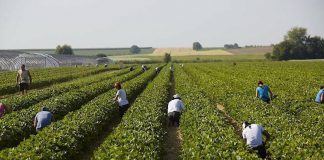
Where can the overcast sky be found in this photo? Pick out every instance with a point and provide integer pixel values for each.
(156, 23)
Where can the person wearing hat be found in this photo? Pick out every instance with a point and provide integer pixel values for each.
(175, 107)
(43, 119)
(320, 95)
(263, 91)
(2, 109)
(252, 134)
(157, 70)
(121, 98)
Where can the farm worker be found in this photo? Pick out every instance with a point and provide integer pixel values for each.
(23, 79)
(157, 70)
(43, 119)
(262, 92)
(320, 95)
(2, 109)
(171, 68)
(175, 107)
(252, 133)
(131, 68)
(144, 68)
(121, 98)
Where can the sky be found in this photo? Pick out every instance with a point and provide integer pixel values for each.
(26, 24)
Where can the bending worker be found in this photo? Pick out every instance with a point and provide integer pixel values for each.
(263, 91)
(175, 107)
(320, 95)
(23, 79)
(2, 109)
(252, 133)
(121, 98)
(43, 119)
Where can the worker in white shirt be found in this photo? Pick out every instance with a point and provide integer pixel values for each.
(175, 107)
(252, 133)
(121, 98)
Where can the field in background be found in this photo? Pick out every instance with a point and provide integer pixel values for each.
(207, 54)
(251, 50)
(188, 52)
(178, 54)
(94, 51)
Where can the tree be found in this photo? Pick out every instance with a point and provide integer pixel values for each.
(58, 49)
(135, 49)
(267, 55)
(298, 45)
(296, 35)
(196, 46)
(232, 46)
(167, 57)
(65, 49)
(236, 45)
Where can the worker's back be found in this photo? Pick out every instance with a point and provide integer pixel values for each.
(253, 134)
(263, 91)
(175, 105)
(44, 118)
(318, 96)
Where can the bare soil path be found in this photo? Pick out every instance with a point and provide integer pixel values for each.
(173, 138)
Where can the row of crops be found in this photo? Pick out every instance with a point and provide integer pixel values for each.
(83, 110)
(293, 119)
(48, 76)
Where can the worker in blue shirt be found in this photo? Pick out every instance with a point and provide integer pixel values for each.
(320, 95)
(263, 91)
(43, 119)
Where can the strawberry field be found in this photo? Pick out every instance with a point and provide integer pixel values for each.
(87, 123)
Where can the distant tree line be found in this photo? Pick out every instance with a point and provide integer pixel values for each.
(231, 46)
(65, 49)
(257, 46)
(297, 44)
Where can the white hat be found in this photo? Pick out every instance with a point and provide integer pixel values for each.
(176, 96)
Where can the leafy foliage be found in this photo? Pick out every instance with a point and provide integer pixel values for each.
(65, 49)
(46, 77)
(205, 133)
(298, 45)
(135, 49)
(17, 102)
(140, 134)
(196, 46)
(66, 138)
(18, 125)
(293, 119)
(167, 57)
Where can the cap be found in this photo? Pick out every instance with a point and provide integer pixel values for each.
(44, 108)
(176, 96)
